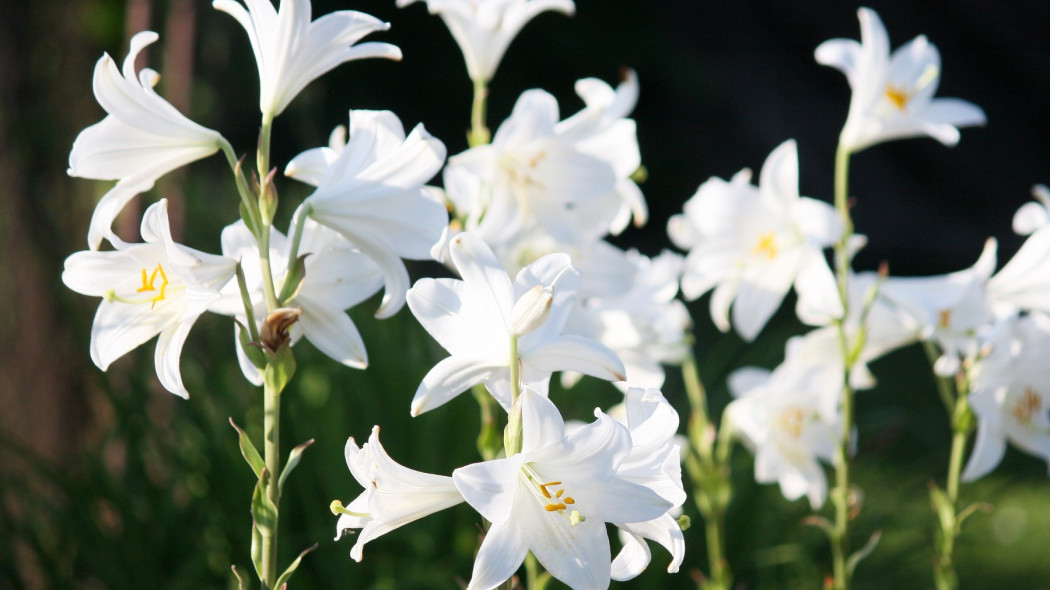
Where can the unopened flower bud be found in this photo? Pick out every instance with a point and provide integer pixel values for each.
(531, 310)
(275, 327)
(268, 197)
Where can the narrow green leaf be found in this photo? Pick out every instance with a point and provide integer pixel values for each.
(264, 513)
(253, 350)
(248, 450)
(240, 581)
(293, 281)
(257, 551)
(971, 509)
(280, 369)
(293, 461)
(942, 505)
(851, 563)
(281, 581)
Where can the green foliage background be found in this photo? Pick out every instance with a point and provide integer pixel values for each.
(134, 488)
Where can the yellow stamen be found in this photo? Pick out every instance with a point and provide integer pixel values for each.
(1029, 404)
(899, 98)
(766, 246)
(792, 421)
(944, 319)
(147, 284)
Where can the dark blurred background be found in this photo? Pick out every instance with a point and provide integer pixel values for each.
(107, 481)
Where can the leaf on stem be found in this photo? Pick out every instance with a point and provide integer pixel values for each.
(240, 581)
(279, 370)
(293, 461)
(293, 281)
(264, 513)
(851, 563)
(283, 580)
(248, 450)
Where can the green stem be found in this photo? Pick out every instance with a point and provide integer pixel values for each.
(840, 495)
(297, 236)
(249, 310)
(479, 134)
(262, 157)
(264, 265)
(512, 437)
(272, 458)
(489, 444)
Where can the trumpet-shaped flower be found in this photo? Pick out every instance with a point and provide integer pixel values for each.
(141, 138)
(371, 190)
(337, 277)
(537, 170)
(1011, 394)
(477, 318)
(154, 288)
(393, 495)
(483, 29)
(893, 95)
(752, 243)
(789, 418)
(554, 498)
(291, 51)
(654, 462)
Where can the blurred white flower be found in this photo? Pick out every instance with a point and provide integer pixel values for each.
(484, 28)
(893, 95)
(141, 138)
(750, 244)
(1010, 394)
(291, 51)
(154, 288)
(337, 277)
(555, 497)
(372, 192)
(474, 319)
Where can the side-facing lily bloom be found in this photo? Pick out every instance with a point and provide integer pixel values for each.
(291, 51)
(477, 318)
(372, 192)
(893, 95)
(1011, 394)
(157, 287)
(393, 495)
(141, 138)
(484, 28)
(750, 244)
(337, 278)
(554, 498)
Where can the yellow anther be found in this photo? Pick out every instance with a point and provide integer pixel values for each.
(1030, 403)
(899, 98)
(766, 246)
(148, 284)
(554, 507)
(569, 500)
(560, 492)
(792, 421)
(944, 319)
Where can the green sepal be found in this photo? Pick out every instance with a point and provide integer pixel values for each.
(860, 554)
(293, 461)
(281, 581)
(264, 513)
(293, 281)
(251, 349)
(279, 370)
(248, 450)
(240, 581)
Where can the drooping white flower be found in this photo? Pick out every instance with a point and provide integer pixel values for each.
(893, 95)
(337, 277)
(141, 138)
(750, 244)
(1010, 394)
(154, 288)
(483, 29)
(393, 495)
(372, 192)
(536, 171)
(789, 418)
(654, 462)
(475, 318)
(554, 498)
(291, 51)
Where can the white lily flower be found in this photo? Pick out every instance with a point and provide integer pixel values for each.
(154, 288)
(291, 51)
(393, 495)
(535, 171)
(654, 462)
(750, 244)
(1023, 283)
(893, 95)
(474, 320)
(337, 278)
(554, 498)
(1010, 394)
(483, 29)
(372, 192)
(789, 418)
(141, 138)
(1033, 216)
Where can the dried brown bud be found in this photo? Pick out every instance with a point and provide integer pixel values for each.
(276, 325)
